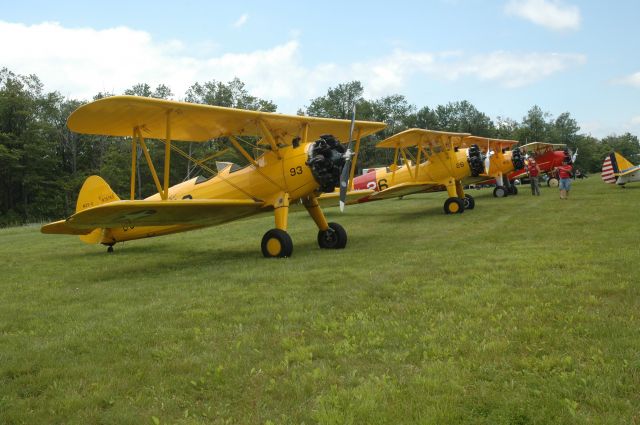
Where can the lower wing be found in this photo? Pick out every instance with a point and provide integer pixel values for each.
(407, 189)
(194, 212)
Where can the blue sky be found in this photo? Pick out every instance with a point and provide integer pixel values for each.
(504, 56)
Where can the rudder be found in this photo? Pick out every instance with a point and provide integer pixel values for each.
(609, 169)
(95, 191)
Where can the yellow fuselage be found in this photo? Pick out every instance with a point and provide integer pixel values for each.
(265, 181)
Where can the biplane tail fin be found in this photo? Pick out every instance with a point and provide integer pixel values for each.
(95, 191)
(609, 169)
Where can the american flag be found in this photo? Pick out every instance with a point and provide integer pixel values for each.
(607, 171)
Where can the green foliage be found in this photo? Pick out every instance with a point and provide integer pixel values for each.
(507, 314)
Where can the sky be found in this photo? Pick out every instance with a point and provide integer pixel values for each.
(504, 56)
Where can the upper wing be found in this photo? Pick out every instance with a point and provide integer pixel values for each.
(415, 136)
(487, 143)
(403, 189)
(159, 213)
(536, 147)
(119, 115)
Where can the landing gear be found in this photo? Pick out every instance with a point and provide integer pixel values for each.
(110, 249)
(553, 182)
(276, 243)
(454, 205)
(469, 202)
(335, 237)
(513, 190)
(500, 192)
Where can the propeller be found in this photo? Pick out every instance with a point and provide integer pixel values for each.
(574, 157)
(346, 168)
(487, 159)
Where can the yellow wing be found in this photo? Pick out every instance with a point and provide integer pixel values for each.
(158, 213)
(415, 136)
(119, 115)
(327, 200)
(404, 189)
(485, 143)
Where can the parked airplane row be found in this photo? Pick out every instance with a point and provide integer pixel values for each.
(302, 159)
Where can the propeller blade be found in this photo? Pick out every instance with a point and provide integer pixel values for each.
(574, 157)
(487, 160)
(346, 169)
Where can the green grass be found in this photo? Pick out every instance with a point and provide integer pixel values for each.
(523, 311)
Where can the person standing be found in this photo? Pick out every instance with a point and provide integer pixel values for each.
(564, 172)
(534, 174)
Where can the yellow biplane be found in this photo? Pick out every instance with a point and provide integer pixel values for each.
(501, 158)
(442, 160)
(303, 157)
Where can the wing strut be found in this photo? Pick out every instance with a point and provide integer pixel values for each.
(167, 157)
(138, 135)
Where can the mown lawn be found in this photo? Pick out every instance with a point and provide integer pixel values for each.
(523, 311)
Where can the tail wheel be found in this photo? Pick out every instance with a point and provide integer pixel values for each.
(454, 206)
(513, 190)
(277, 243)
(553, 182)
(335, 237)
(500, 192)
(469, 202)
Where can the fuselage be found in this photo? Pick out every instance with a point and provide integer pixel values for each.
(264, 181)
(439, 169)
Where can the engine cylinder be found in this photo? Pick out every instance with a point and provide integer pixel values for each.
(475, 160)
(516, 159)
(326, 159)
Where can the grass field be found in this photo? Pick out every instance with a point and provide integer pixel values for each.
(523, 311)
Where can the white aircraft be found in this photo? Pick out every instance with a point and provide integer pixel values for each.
(617, 169)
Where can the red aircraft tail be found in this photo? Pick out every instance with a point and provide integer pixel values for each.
(609, 169)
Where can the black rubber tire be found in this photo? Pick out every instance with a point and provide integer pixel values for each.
(513, 190)
(110, 249)
(335, 237)
(454, 206)
(553, 182)
(500, 192)
(469, 202)
(276, 243)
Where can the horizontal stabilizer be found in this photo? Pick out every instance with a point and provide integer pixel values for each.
(163, 213)
(406, 189)
(60, 227)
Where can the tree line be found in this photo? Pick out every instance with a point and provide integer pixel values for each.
(43, 164)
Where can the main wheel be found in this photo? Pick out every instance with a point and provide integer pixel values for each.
(454, 206)
(276, 243)
(469, 202)
(500, 192)
(110, 249)
(513, 190)
(553, 182)
(335, 237)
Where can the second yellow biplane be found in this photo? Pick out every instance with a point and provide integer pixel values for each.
(303, 157)
(442, 160)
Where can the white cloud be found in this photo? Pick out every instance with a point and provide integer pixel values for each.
(630, 80)
(81, 62)
(241, 21)
(552, 14)
(510, 70)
